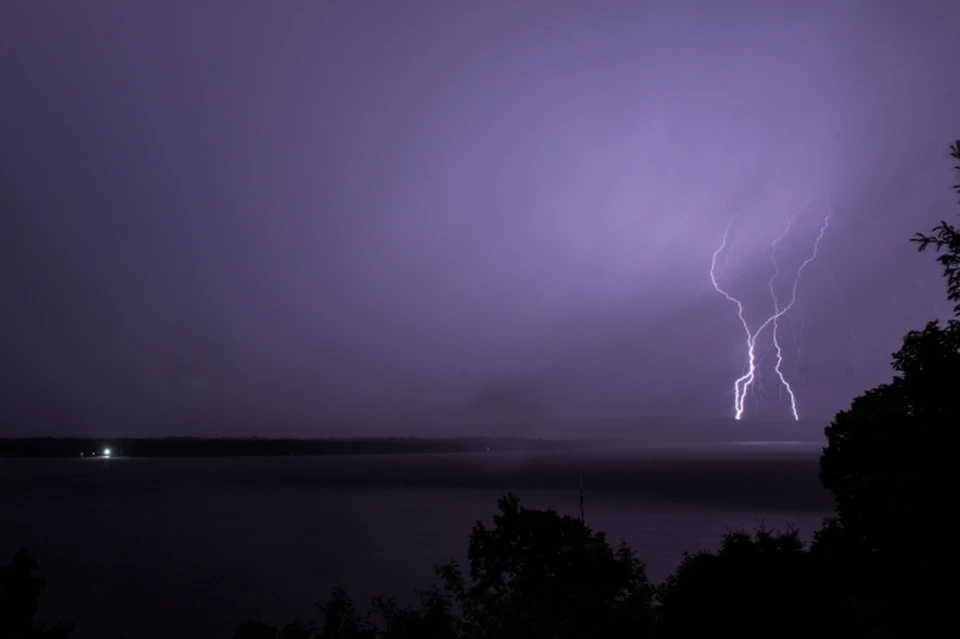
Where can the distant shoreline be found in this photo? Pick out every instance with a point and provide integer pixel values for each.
(268, 447)
(77, 447)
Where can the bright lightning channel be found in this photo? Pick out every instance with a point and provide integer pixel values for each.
(741, 385)
(776, 315)
(751, 357)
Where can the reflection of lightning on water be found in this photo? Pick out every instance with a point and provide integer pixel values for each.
(743, 383)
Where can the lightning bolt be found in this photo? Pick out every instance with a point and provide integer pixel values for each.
(751, 357)
(776, 316)
(775, 341)
(742, 384)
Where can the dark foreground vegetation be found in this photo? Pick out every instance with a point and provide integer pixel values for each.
(263, 447)
(884, 566)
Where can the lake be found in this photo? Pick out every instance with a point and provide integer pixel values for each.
(160, 548)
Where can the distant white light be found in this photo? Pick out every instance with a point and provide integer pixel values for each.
(106, 452)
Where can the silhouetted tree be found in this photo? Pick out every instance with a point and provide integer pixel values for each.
(534, 574)
(340, 618)
(21, 587)
(253, 629)
(434, 619)
(297, 629)
(889, 463)
(340, 621)
(759, 585)
(537, 573)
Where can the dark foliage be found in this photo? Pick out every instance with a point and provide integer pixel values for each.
(945, 239)
(759, 585)
(537, 573)
(889, 463)
(533, 574)
(21, 587)
(254, 629)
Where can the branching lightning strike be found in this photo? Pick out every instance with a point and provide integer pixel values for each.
(742, 384)
(776, 317)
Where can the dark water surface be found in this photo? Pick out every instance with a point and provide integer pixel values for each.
(161, 548)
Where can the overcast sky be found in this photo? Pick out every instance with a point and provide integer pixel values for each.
(236, 217)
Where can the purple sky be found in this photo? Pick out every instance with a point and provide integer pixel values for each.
(280, 217)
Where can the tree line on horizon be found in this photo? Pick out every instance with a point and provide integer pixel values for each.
(883, 566)
(173, 446)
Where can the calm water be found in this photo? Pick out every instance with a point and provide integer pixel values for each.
(188, 548)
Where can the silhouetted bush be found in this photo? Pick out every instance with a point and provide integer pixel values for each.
(21, 587)
(537, 573)
(760, 585)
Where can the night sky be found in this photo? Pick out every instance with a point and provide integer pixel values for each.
(327, 217)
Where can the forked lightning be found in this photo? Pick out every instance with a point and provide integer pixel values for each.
(742, 384)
